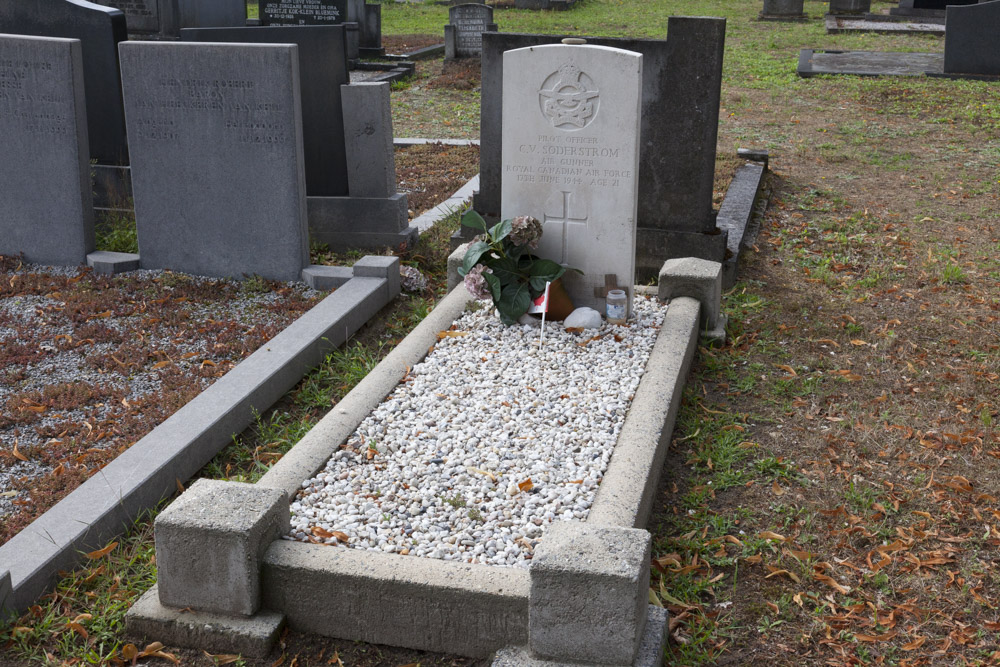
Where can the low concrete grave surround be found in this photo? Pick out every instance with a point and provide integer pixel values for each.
(681, 87)
(105, 262)
(738, 209)
(473, 609)
(554, 5)
(321, 55)
(971, 39)
(150, 469)
(46, 210)
(881, 23)
(927, 8)
(783, 10)
(463, 36)
(210, 542)
(695, 278)
(566, 620)
(571, 159)
(867, 63)
(373, 215)
(99, 30)
(217, 157)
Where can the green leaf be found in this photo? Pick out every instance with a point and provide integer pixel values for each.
(494, 284)
(544, 271)
(514, 302)
(500, 230)
(472, 219)
(472, 256)
(506, 270)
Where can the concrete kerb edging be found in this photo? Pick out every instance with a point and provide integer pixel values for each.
(441, 605)
(137, 480)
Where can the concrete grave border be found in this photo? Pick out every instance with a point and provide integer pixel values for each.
(150, 470)
(445, 605)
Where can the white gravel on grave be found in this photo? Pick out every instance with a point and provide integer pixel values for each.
(486, 442)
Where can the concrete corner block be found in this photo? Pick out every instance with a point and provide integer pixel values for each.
(252, 636)
(699, 279)
(454, 263)
(210, 543)
(325, 278)
(380, 266)
(107, 263)
(589, 593)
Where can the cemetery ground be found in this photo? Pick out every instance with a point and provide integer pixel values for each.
(831, 495)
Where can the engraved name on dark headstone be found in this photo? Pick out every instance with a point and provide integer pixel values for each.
(140, 15)
(469, 22)
(302, 12)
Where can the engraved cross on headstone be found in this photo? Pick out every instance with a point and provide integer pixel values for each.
(565, 220)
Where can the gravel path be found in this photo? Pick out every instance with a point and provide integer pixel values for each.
(486, 441)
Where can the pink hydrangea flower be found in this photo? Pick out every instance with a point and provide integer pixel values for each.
(525, 231)
(476, 284)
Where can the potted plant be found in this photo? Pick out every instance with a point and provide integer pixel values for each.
(499, 265)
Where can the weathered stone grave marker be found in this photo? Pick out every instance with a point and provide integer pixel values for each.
(146, 16)
(217, 158)
(571, 158)
(99, 30)
(321, 54)
(463, 36)
(782, 10)
(46, 210)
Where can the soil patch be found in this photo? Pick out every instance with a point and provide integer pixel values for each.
(399, 44)
(430, 173)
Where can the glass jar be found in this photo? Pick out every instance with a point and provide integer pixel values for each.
(616, 306)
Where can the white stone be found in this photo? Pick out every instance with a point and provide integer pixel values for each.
(571, 157)
(583, 318)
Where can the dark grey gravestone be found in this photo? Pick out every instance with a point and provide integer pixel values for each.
(46, 210)
(926, 8)
(145, 16)
(211, 13)
(371, 30)
(681, 85)
(463, 36)
(850, 6)
(324, 70)
(972, 39)
(867, 63)
(303, 12)
(782, 10)
(99, 30)
(217, 169)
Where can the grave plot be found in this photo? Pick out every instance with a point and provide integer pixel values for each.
(581, 482)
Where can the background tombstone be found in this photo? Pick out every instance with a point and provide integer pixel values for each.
(303, 12)
(926, 8)
(681, 87)
(782, 10)
(971, 39)
(211, 13)
(571, 158)
(374, 215)
(463, 36)
(47, 212)
(217, 158)
(840, 7)
(99, 30)
(148, 17)
(324, 68)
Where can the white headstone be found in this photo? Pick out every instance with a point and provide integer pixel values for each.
(571, 158)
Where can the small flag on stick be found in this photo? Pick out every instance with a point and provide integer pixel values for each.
(541, 305)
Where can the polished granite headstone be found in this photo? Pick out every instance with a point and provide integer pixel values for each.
(782, 10)
(303, 12)
(99, 30)
(324, 70)
(972, 39)
(46, 210)
(217, 162)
